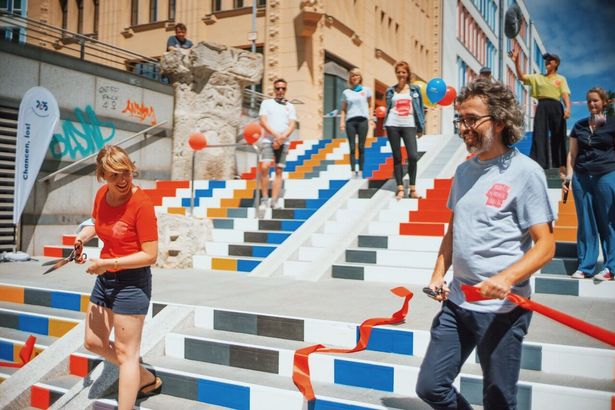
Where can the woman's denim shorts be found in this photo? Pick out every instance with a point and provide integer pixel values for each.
(125, 292)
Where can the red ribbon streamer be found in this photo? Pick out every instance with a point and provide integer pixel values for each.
(25, 354)
(472, 294)
(301, 366)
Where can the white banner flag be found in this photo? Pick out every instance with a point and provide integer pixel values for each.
(38, 115)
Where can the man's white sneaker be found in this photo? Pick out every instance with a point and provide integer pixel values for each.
(604, 274)
(264, 204)
(579, 275)
(276, 205)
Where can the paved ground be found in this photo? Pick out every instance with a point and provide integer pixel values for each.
(337, 300)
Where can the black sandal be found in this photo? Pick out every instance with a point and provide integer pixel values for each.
(150, 389)
(414, 195)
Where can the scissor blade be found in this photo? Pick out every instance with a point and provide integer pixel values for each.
(56, 266)
(51, 262)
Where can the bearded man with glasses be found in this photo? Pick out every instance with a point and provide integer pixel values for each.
(499, 234)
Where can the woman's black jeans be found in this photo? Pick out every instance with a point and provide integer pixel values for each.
(356, 126)
(408, 134)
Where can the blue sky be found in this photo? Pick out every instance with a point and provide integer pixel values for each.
(582, 33)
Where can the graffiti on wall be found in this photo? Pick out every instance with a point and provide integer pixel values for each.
(109, 96)
(140, 111)
(82, 137)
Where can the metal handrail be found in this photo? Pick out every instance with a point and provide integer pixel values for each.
(87, 48)
(26, 20)
(62, 170)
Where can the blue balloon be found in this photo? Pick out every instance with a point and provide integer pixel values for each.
(436, 89)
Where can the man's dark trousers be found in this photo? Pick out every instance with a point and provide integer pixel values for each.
(455, 332)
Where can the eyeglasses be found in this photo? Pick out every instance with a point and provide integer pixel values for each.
(280, 88)
(470, 121)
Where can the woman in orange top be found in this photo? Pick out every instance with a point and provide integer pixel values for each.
(124, 219)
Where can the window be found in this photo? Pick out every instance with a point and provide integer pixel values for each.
(238, 4)
(216, 5)
(134, 12)
(261, 3)
(13, 33)
(336, 77)
(172, 9)
(80, 16)
(153, 10)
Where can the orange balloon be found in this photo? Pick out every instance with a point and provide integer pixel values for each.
(381, 111)
(252, 132)
(197, 140)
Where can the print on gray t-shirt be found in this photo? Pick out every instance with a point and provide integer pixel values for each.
(494, 204)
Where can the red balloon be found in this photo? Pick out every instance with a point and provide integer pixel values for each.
(252, 132)
(381, 111)
(197, 140)
(449, 97)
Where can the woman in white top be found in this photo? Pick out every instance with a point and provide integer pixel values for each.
(354, 116)
(404, 118)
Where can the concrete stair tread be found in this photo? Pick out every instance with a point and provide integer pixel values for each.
(160, 402)
(392, 359)
(390, 250)
(43, 310)
(255, 258)
(65, 382)
(361, 265)
(243, 243)
(251, 377)
(284, 344)
(6, 372)
(21, 336)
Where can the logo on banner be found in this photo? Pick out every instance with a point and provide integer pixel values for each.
(41, 108)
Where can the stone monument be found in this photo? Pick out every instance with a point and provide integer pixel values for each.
(209, 80)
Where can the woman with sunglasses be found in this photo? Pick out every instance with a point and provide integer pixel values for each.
(591, 168)
(124, 219)
(405, 118)
(355, 112)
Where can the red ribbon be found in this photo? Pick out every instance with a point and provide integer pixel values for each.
(472, 294)
(301, 366)
(25, 354)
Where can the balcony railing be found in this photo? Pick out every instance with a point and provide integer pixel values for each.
(20, 29)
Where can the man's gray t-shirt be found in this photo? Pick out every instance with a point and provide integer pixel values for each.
(495, 202)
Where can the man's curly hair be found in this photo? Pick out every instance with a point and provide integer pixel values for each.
(502, 106)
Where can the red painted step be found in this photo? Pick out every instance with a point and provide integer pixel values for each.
(430, 216)
(421, 229)
(442, 183)
(432, 203)
(172, 184)
(68, 240)
(54, 251)
(437, 193)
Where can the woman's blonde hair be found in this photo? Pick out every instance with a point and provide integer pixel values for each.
(353, 72)
(113, 159)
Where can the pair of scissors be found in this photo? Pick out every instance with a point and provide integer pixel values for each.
(76, 255)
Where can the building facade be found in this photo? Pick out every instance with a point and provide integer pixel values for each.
(478, 41)
(310, 43)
